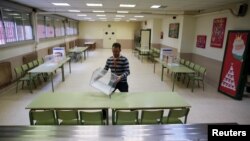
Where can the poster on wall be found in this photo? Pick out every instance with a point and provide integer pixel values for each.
(232, 73)
(218, 32)
(201, 41)
(173, 30)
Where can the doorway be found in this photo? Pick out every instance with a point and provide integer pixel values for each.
(109, 37)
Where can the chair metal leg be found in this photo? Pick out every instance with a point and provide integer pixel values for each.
(188, 83)
(203, 85)
(16, 86)
(193, 86)
(23, 84)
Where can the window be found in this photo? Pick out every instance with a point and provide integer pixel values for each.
(9, 24)
(49, 27)
(19, 28)
(71, 27)
(59, 28)
(2, 38)
(40, 27)
(27, 26)
(15, 26)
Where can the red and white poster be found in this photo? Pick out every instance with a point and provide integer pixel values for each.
(233, 62)
(218, 32)
(201, 41)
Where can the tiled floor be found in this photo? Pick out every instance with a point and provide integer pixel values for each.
(208, 106)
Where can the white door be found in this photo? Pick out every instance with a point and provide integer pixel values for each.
(109, 37)
(145, 39)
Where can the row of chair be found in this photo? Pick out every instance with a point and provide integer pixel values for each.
(22, 75)
(175, 116)
(121, 117)
(198, 76)
(154, 53)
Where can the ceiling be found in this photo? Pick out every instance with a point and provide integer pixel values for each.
(141, 9)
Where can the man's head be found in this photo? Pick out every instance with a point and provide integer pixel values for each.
(116, 49)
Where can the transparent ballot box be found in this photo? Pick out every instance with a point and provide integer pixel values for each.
(104, 81)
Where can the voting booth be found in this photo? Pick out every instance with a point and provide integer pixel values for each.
(59, 52)
(166, 53)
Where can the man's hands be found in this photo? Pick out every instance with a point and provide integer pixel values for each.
(119, 78)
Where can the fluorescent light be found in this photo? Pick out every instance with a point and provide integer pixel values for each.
(13, 14)
(103, 18)
(61, 4)
(81, 15)
(139, 16)
(119, 15)
(117, 18)
(132, 19)
(127, 5)
(100, 15)
(94, 4)
(74, 10)
(98, 11)
(87, 18)
(91, 20)
(122, 11)
(155, 6)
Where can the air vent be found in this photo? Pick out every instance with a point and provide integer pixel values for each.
(163, 6)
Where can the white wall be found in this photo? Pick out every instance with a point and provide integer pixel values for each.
(12, 51)
(155, 26)
(187, 36)
(156, 31)
(17, 49)
(94, 30)
(204, 26)
(172, 42)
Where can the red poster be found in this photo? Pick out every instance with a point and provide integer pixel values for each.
(218, 31)
(201, 41)
(233, 62)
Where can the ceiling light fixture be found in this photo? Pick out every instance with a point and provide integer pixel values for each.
(81, 15)
(155, 6)
(122, 11)
(100, 15)
(127, 5)
(61, 4)
(132, 19)
(94, 4)
(138, 16)
(74, 10)
(98, 11)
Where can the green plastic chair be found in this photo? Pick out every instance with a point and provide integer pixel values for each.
(46, 117)
(176, 116)
(182, 61)
(23, 77)
(40, 61)
(151, 117)
(67, 117)
(35, 63)
(191, 65)
(91, 118)
(126, 117)
(199, 76)
(187, 63)
(31, 65)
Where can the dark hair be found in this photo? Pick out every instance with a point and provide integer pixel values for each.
(116, 45)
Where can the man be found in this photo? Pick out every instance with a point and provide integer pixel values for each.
(119, 65)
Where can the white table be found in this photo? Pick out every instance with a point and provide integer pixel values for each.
(50, 67)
